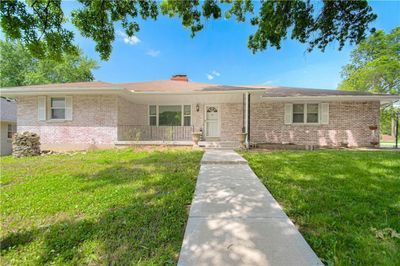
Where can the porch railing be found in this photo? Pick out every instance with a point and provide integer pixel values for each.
(156, 133)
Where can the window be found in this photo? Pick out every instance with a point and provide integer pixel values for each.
(57, 108)
(11, 130)
(170, 115)
(306, 113)
(298, 113)
(187, 112)
(312, 113)
(153, 115)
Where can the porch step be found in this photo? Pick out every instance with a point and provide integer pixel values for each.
(219, 144)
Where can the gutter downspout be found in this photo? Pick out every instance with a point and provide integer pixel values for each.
(247, 119)
(244, 113)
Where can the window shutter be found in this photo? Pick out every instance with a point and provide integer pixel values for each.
(42, 108)
(68, 108)
(288, 113)
(325, 113)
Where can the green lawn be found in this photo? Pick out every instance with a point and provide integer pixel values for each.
(346, 203)
(114, 207)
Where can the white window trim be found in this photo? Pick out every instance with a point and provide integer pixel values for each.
(305, 115)
(51, 119)
(158, 112)
(183, 114)
(150, 116)
(13, 130)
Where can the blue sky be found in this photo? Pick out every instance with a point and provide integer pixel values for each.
(219, 54)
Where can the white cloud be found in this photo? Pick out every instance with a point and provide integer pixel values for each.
(153, 53)
(213, 74)
(128, 40)
(216, 73)
(268, 82)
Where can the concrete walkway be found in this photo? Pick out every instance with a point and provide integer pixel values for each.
(234, 220)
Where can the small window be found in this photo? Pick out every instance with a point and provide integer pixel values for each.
(11, 130)
(306, 113)
(312, 113)
(298, 113)
(57, 107)
(187, 112)
(153, 115)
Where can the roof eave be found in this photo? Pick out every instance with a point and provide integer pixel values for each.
(193, 92)
(382, 98)
(14, 92)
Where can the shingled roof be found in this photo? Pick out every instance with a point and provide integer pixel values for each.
(175, 86)
(296, 92)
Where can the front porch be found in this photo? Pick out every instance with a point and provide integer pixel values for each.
(171, 120)
(167, 135)
(155, 133)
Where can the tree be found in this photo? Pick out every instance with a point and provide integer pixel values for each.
(375, 64)
(19, 67)
(39, 24)
(375, 67)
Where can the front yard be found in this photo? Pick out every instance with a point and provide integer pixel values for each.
(114, 207)
(345, 203)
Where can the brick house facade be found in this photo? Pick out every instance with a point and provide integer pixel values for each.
(102, 114)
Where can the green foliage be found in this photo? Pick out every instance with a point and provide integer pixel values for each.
(346, 203)
(19, 67)
(117, 207)
(40, 24)
(387, 114)
(375, 64)
(375, 67)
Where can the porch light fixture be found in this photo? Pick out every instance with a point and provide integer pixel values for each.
(197, 108)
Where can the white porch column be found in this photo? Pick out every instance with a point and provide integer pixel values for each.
(246, 118)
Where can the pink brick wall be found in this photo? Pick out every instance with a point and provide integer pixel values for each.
(94, 121)
(348, 123)
(130, 113)
(198, 117)
(231, 120)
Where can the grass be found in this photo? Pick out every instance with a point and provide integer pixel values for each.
(113, 207)
(345, 203)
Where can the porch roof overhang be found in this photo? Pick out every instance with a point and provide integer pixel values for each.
(168, 90)
(22, 91)
(144, 97)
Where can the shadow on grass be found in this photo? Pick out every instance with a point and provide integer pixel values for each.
(336, 198)
(147, 228)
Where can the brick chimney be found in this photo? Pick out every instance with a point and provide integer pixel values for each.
(180, 78)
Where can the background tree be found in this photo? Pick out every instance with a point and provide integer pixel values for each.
(39, 24)
(375, 64)
(19, 67)
(375, 67)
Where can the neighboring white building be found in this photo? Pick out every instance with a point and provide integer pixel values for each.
(8, 124)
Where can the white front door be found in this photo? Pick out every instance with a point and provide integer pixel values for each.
(212, 120)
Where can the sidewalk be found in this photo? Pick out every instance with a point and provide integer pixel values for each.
(234, 220)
